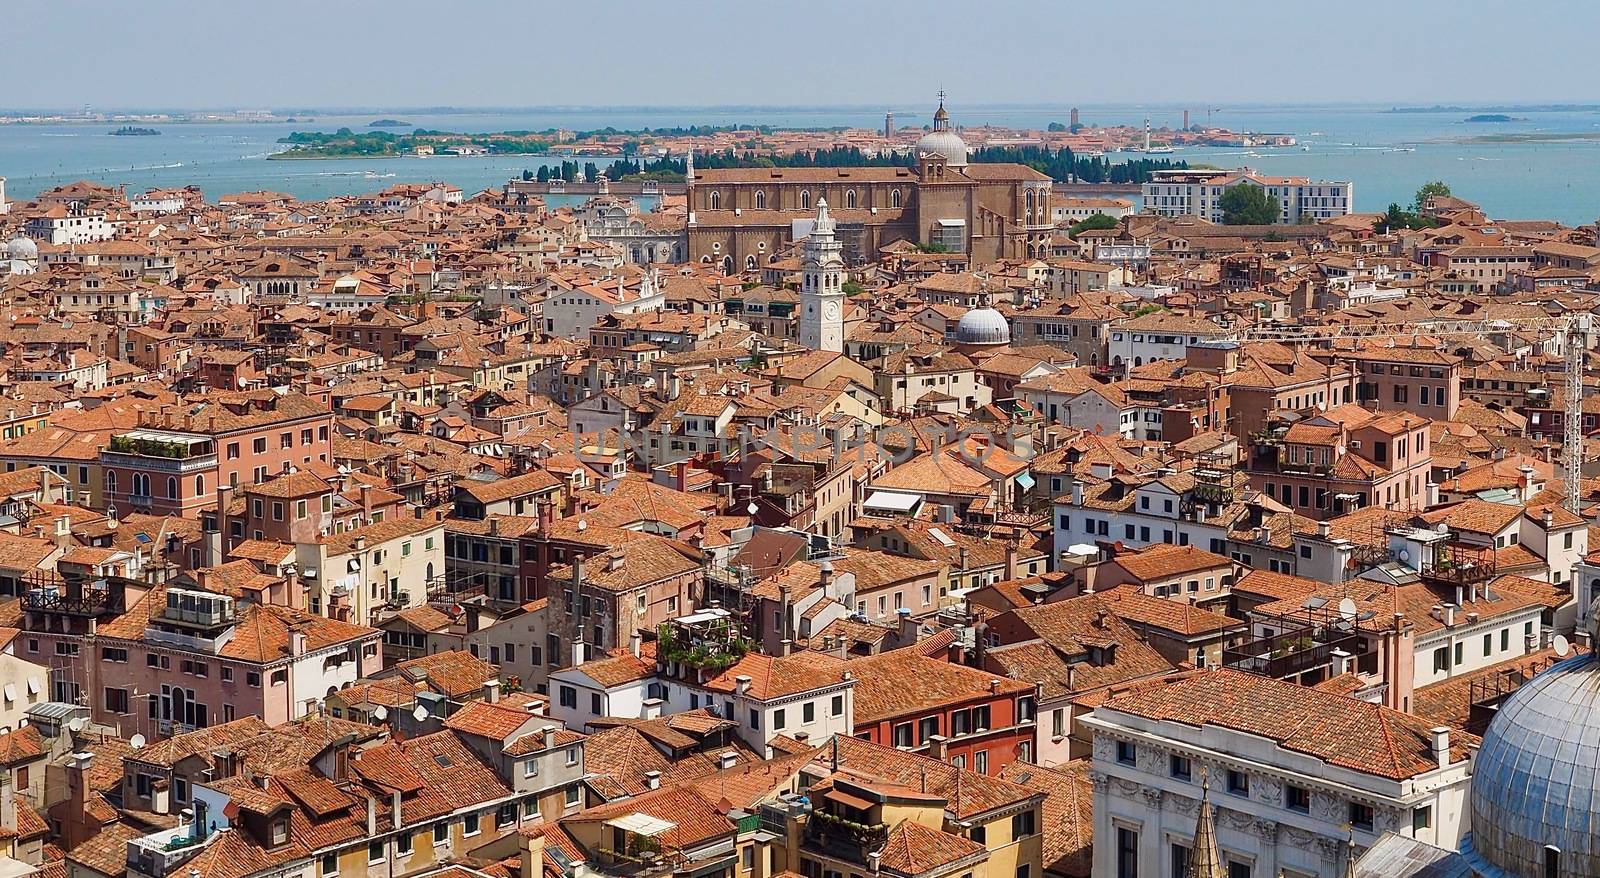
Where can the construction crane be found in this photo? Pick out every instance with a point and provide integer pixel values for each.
(1572, 330)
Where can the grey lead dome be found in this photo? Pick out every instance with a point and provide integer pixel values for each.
(22, 247)
(983, 326)
(1536, 779)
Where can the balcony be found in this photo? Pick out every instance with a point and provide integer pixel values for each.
(161, 451)
(843, 838)
(75, 599)
(163, 853)
(185, 640)
(1293, 652)
(1459, 565)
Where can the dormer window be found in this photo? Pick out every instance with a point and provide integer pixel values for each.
(278, 831)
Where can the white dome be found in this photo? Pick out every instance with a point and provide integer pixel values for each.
(983, 326)
(946, 143)
(22, 248)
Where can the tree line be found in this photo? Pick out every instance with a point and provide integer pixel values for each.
(1059, 164)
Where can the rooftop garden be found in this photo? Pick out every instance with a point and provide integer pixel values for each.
(146, 447)
(714, 646)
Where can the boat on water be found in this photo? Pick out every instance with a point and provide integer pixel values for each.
(133, 131)
(1091, 154)
(1159, 150)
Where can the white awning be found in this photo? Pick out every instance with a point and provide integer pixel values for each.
(11, 692)
(33, 686)
(710, 614)
(642, 824)
(893, 501)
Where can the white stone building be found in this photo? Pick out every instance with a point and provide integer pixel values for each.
(1199, 193)
(1294, 774)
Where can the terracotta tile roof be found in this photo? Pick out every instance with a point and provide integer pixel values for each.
(454, 673)
(1341, 731)
(534, 482)
(777, 677)
(1449, 702)
(496, 722)
(968, 793)
(695, 819)
(425, 618)
(1163, 561)
(904, 682)
(1177, 616)
(618, 759)
(21, 745)
(1478, 516)
(619, 668)
(1068, 821)
(1062, 633)
(915, 849)
(1276, 586)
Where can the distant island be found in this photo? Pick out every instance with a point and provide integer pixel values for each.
(390, 123)
(131, 131)
(345, 143)
(1515, 108)
(1494, 117)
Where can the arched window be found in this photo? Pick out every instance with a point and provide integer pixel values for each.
(894, 198)
(111, 483)
(761, 200)
(430, 572)
(172, 487)
(749, 262)
(714, 200)
(850, 198)
(199, 486)
(805, 200)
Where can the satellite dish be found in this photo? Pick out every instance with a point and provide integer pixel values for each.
(1403, 554)
(136, 741)
(76, 724)
(381, 714)
(583, 524)
(752, 508)
(1560, 645)
(420, 714)
(1347, 609)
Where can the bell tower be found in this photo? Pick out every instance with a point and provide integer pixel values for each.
(822, 286)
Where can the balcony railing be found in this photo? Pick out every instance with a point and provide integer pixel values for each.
(159, 464)
(843, 838)
(1293, 652)
(83, 601)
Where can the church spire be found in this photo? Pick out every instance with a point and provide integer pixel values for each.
(824, 222)
(941, 117)
(1204, 861)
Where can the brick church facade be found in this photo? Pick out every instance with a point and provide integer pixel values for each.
(741, 218)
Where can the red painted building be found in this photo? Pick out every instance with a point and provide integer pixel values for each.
(964, 716)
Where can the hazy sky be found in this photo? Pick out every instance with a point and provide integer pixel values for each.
(408, 53)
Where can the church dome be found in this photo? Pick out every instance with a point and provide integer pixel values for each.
(983, 326)
(1536, 778)
(22, 248)
(943, 141)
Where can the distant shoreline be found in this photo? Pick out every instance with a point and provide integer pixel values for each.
(1510, 108)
